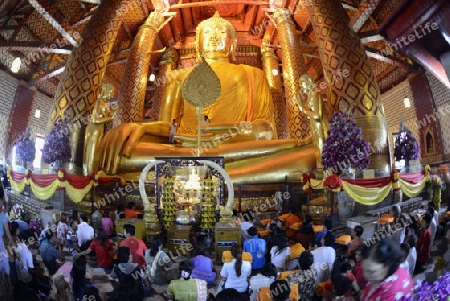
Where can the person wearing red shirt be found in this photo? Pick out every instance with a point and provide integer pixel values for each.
(136, 246)
(102, 248)
(130, 212)
(423, 243)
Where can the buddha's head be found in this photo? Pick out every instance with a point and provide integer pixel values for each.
(215, 39)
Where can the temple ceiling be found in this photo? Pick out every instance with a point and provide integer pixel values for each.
(44, 32)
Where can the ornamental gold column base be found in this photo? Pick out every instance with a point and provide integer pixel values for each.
(152, 225)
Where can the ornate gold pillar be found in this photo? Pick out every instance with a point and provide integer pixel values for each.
(270, 66)
(352, 85)
(167, 63)
(135, 77)
(81, 80)
(293, 68)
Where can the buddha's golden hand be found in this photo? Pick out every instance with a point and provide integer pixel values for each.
(121, 140)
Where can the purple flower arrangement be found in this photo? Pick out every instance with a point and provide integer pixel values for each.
(35, 225)
(439, 290)
(57, 144)
(406, 145)
(25, 148)
(345, 145)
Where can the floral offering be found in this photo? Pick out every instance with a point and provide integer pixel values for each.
(406, 145)
(57, 143)
(25, 148)
(345, 145)
(35, 225)
(437, 291)
(17, 212)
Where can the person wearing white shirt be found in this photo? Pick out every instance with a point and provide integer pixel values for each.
(433, 212)
(324, 257)
(279, 253)
(246, 224)
(85, 233)
(265, 278)
(236, 271)
(411, 259)
(399, 234)
(433, 225)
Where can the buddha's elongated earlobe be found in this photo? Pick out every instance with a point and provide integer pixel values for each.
(233, 49)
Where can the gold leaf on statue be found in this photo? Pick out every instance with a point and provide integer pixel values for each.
(202, 86)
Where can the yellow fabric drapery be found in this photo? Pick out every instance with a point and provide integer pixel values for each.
(366, 196)
(46, 192)
(372, 196)
(412, 190)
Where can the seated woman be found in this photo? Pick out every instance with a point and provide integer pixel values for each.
(305, 278)
(265, 277)
(229, 294)
(129, 276)
(387, 281)
(280, 291)
(306, 234)
(341, 267)
(79, 281)
(159, 265)
(203, 267)
(342, 285)
(186, 289)
(279, 254)
(236, 271)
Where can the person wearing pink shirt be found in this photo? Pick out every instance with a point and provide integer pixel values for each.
(387, 281)
(107, 224)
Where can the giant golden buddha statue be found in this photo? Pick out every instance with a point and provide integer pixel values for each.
(241, 128)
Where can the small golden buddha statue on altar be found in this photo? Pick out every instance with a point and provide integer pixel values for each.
(241, 128)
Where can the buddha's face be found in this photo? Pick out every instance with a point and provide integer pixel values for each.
(216, 39)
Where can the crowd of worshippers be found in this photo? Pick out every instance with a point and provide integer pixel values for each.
(279, 265)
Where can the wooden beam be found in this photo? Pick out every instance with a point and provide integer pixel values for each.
(52, 73)
(366, 10)
(385, 72)
(376, 54)
(187, 18)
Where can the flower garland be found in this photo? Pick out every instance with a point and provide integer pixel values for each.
(57, 143)
(25, 148)
(406, 145)
(437, 187)
(17, 212)
(345, 145)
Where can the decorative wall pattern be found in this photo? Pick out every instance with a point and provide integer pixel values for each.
(40, 125)
(441, 96)
(427, 119)
(7, 91)
(395, 110)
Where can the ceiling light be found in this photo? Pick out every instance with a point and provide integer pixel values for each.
(151, 77)
(407, 102)
(275, 72)
(37, 113)
(16, 65)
